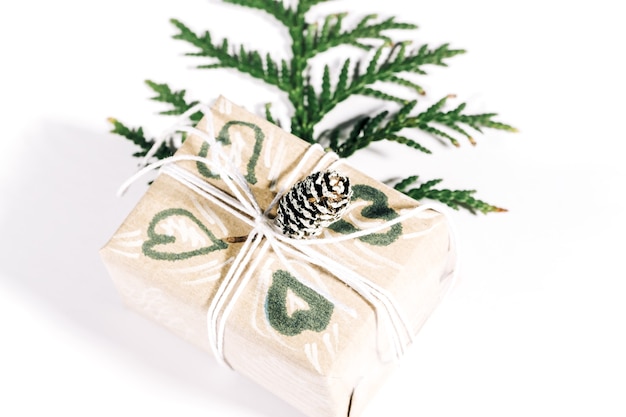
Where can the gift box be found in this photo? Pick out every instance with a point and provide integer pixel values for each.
(320, 324)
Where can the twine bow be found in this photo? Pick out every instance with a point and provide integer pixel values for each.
(241, 203)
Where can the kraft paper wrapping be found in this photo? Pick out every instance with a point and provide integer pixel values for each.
(318, 346)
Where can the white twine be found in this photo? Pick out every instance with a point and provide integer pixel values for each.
(242, 204)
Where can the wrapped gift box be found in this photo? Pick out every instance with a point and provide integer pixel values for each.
(309, 338)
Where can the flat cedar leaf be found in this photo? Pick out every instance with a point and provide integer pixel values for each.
(406, 83)
(373, 65)
(311, 100)
(401, 48)
(271, 68)
(210, 66)
(453, 198)
(136, 136)
(432, 110)
(326, 93)
(343, 78)
(457, 111)
(405, 183)
(461, 131)
(336, 27)
(360, 45)
(176, 100)
(405, 110)
(285, 76)
(438, 133)
(408, 142)
(323, 35)
(367, 91)
(363, 22)
(358, 128)
(333, 34)
(374, 122)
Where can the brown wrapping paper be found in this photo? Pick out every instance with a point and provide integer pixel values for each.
(318, 346)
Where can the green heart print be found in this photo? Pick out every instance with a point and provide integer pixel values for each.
(166, 247)
(315, 318)
(379, 209)
(224, 137)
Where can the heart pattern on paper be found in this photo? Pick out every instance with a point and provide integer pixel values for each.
(379, 209)
(175, 234)
(292, 307)
(224, 137)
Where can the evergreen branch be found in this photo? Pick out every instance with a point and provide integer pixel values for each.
(453, 119)
(452, 198)
(399, 61)
(331, 33)
(246, 61)
(136, 136)
(458, 129)
(362, 133)
(330, 30)
(395, 62)
(388, 63)
(176, 99)
(477, 121)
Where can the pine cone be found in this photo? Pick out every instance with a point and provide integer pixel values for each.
(313, 204)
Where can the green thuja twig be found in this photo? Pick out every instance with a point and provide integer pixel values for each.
(386, 63)
(310, 106)
(453, 198)
(178, 105)
(136, 136)
(176, 99)
(365, 130)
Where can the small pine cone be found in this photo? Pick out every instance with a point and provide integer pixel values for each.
(313, 204)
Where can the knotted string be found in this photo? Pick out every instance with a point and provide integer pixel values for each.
(242, 204)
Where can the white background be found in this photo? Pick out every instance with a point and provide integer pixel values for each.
(535, 326)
